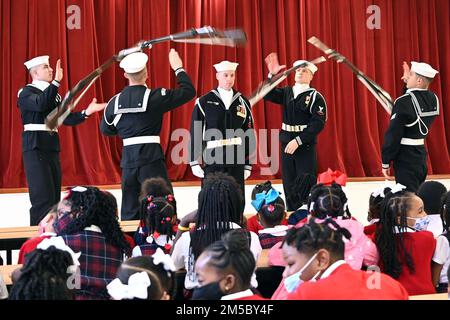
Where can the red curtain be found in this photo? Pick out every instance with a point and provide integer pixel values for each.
(410, 30)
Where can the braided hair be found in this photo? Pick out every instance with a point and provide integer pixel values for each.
(314, 236)
(233, 254)
(219, 205)
(272, 214)
(375, 204)
(161, 280)
(329, 201)
(445, 211)
(160, 214)
(393, 215)
(44, 276)
(96, 207)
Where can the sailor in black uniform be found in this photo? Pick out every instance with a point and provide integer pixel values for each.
(40, 146)
(304, 117)
(222, 133)
(136, 116)
(411, 118)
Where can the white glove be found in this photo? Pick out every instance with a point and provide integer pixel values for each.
(198, 171)
(247, 174)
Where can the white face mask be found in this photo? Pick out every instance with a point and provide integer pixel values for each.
(421, 223)
(292, 282)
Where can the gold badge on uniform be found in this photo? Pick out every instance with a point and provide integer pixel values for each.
(241, 112)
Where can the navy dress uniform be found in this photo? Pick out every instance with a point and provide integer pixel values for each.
(40, 145)
(404, 142)
(222, 132)
(136, 116)
(304, 117)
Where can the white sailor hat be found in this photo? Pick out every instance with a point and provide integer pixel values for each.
(311, 67)
(226, 66)
(134, 62)
(36, 61)
(423, 69)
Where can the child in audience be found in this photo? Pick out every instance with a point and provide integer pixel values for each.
(46, 230)
(253, 223)
(224, 270)
(220, 209)
(48, 273)
(145, 277)
(373, 216)
(160, 220)
(431, 193)
(271, 212)
(88, 223)
(316, 269)
(405, 248)
(441, 258)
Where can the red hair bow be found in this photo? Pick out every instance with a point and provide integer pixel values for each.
(329, 176)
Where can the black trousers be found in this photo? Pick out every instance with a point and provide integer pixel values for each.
(410, 174)
(132, 179)
(304, 160)
(236, 171)
(43, 172)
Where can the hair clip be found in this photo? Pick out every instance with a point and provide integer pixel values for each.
(170, 197)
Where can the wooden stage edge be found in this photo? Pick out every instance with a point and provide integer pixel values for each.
(249, 182)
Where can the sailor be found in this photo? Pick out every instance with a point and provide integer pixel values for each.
(411, 118)
(136, 116)
(40, 145)
(304, 117)
(222, 133)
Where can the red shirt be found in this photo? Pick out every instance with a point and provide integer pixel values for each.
(370, 229)
(31, 245)
(253, 224)
(345, 283)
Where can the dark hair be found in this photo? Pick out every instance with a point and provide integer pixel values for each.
(156, 187)
(219, 204)
(44, 276)
(261, 187)
(302, 188)
(160, 214)
(431, 193)
(314, 236)
(273, 213)
(445, 211)
(161, 279)
(328, 202)
(233, 253)
(375, 205)
(395, 207)
(96, 207)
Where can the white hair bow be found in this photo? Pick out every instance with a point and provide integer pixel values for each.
(58, 243)
(137, 286)
(380, 192)
(160, 257)
(397, 188)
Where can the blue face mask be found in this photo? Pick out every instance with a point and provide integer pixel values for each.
(292, 282)
(421, 223)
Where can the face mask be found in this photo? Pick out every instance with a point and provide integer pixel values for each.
(292, 282)
(421, 223)
(210, 291)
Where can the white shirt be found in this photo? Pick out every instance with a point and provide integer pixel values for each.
(331, 268)
(226, 96)
(435, 225)
(299, 88)
(182, 258)
(238, 295)
(442, 256)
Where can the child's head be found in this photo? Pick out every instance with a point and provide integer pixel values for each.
(145, 277)
(375, 202)
(160, 216)
(85, 206)
(46, 274)
(328, 201)
(46, 224)
(445, 211)
(219, 205)
(431, 193)
(155, 187)
(400, 210)
(311, 249)
(224, 267)
(270, 207)
(261, 188)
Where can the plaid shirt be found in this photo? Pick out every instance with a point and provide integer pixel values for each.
(268, 240)
(99, 262)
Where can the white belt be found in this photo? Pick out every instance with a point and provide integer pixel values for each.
(37, 127)
(412, 142)
(141, 140)
(226, 142)
(290, 128)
